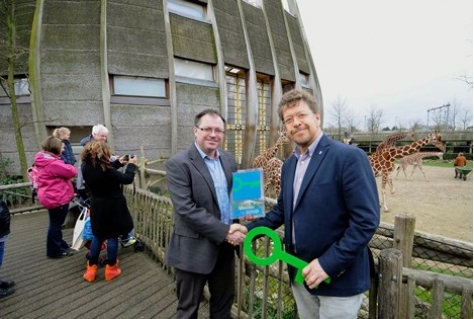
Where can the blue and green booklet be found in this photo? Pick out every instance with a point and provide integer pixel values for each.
(247, 196)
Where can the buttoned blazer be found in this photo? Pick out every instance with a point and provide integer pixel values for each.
(336, 213)
(197, 231)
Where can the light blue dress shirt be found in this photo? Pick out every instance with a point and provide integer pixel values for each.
(220, 184)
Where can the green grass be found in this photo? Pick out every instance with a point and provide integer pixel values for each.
(451, 304)
(441, 163)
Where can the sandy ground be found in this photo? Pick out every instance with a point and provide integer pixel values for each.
(442, 206)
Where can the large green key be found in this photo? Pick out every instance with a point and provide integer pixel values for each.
(278, 253)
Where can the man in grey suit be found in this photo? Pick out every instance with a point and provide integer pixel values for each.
(199, 181)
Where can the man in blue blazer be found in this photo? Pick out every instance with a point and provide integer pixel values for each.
(329, 207)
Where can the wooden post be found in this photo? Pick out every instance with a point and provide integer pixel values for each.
(404, 233)
(390, 283)
(142, 170)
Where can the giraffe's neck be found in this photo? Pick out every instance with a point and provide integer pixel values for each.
(401, 151)
(271, 152)
(391, 140)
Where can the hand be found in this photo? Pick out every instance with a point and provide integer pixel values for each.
(133, 160)
(236, 234)
(124, 159)
(249, 218)
(314, 274)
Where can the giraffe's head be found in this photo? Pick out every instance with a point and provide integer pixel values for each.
(410, 135)
(283, 136)
(437, 140)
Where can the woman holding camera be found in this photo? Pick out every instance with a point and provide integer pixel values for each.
(110, 216)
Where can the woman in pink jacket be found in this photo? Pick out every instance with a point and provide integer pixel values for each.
(55, 191)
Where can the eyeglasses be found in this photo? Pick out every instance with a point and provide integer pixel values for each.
(209, 130)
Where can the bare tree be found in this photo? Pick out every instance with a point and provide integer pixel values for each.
(466, 79)
(374, 120)
(454, 110)
(415, 125)
(338, 112)
(352, 123)
(440, 119)
(465, 117)
(7, 77)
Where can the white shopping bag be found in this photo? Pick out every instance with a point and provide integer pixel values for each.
(77, 241)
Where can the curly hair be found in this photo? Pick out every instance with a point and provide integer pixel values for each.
(291, 99)
(97, 153)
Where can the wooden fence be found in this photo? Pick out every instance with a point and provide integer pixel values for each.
(264, 291)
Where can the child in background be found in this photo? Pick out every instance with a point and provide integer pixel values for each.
(63, 133)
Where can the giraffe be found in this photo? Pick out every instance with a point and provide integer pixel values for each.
(383, 162)
(415, 159)
(274, 175)
(390, 140)
(263, 159)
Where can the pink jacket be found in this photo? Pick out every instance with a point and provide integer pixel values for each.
(54, 180)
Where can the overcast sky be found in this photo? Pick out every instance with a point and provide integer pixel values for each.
(399, 56)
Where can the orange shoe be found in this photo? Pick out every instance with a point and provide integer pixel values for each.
(112, 271)
(90, 273)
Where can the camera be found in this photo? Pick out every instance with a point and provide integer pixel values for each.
(128, 156)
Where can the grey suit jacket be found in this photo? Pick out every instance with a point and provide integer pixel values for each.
(197, 231)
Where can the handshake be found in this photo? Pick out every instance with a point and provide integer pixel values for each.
(236, 234)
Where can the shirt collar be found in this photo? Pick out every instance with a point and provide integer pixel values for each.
(203, 155)
(310, 149)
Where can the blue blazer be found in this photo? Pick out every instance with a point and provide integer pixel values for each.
(336, 214)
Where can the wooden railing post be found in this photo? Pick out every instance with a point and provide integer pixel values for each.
(403, 236)
(142, 169)
(390, 283)
(404, 233)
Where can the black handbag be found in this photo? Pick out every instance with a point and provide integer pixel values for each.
(4, 219)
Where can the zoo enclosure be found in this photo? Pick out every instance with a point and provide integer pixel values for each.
(418, 275)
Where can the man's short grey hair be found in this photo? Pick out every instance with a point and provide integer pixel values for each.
(99, 129)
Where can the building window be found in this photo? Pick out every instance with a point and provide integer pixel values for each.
(255, 3)
(193, 70)
(287, 86)
(21, 85)
(236, 112)
(188, 9)
(264, 114)
(304, 79)
(138, 86)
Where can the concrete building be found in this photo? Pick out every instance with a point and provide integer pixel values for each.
(144, 68)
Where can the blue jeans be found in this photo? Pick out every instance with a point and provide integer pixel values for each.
(112, 250)
(55, 244)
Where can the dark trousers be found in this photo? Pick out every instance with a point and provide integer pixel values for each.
(55, 245)
(189, 287)
(112, 250)
(2, 250)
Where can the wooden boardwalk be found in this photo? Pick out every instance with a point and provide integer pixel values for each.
(54, 288)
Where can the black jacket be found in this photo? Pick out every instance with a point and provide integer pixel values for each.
(110, 216)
